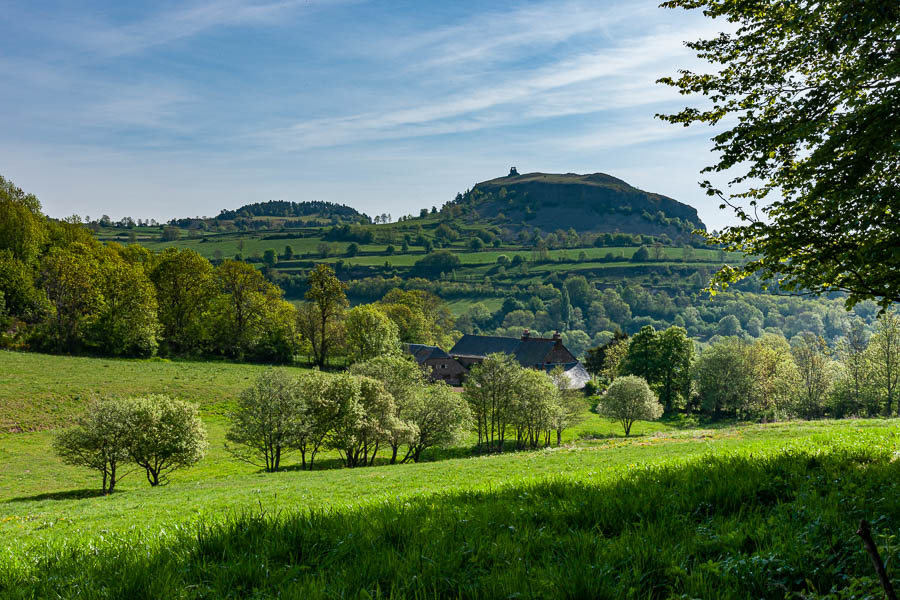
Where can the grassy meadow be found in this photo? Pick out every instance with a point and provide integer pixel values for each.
(680, 509)
(42, 391)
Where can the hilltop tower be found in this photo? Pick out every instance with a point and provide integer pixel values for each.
(513, 172)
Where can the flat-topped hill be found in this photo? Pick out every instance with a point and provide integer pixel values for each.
(593, 202)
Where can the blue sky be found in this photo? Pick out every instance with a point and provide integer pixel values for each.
(183, 108)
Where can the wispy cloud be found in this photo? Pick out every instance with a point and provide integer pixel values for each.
(498, 36)
(101, 37)
(614, 77)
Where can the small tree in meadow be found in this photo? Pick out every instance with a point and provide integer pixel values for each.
(571, 402)
(166, 434)
(403, 379)
(365, 421)
(440, 417)
(630, 399)
(318, 411)
(490, 390)
(100, 441)
(265, 424)
(536, 408)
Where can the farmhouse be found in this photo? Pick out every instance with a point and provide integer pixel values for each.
(440, 365)
(531, 352)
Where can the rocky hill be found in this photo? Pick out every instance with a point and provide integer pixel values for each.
(595, 202)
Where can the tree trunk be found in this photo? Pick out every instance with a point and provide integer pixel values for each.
(112, 478)
(152, 477)
(374, 452)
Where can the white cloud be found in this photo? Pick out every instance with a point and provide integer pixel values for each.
(496, 36)
(106, 39)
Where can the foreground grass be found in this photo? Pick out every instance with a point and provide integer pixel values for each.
(746, 513)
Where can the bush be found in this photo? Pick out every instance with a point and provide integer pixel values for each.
(641, 255)
(166, 435)
(435, 263)
(630, 399)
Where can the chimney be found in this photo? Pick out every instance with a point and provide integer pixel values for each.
(526, 334)
(556, 335)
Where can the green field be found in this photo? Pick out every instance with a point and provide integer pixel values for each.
(39, 391)
(758, 511)
(680, 508)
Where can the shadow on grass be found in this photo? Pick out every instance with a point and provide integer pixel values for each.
(435, 454)
(695, 421)
(593, 436)
(67, 495)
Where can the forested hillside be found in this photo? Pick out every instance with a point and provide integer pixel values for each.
(495, 275)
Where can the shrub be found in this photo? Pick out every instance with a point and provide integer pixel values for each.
(435, 263)
(166, 435)
(630, 399)
(641, 255)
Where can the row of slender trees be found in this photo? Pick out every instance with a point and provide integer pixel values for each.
(386, 404)
(512, 403)
(380, 404)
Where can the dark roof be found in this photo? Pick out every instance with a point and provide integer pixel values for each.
(422, 352)
(528, 352)
(482, 345)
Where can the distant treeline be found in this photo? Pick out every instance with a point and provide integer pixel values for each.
(282, 208)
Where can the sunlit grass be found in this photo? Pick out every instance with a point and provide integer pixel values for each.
(763, 511)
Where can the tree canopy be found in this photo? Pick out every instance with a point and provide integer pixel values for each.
(812, 93)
